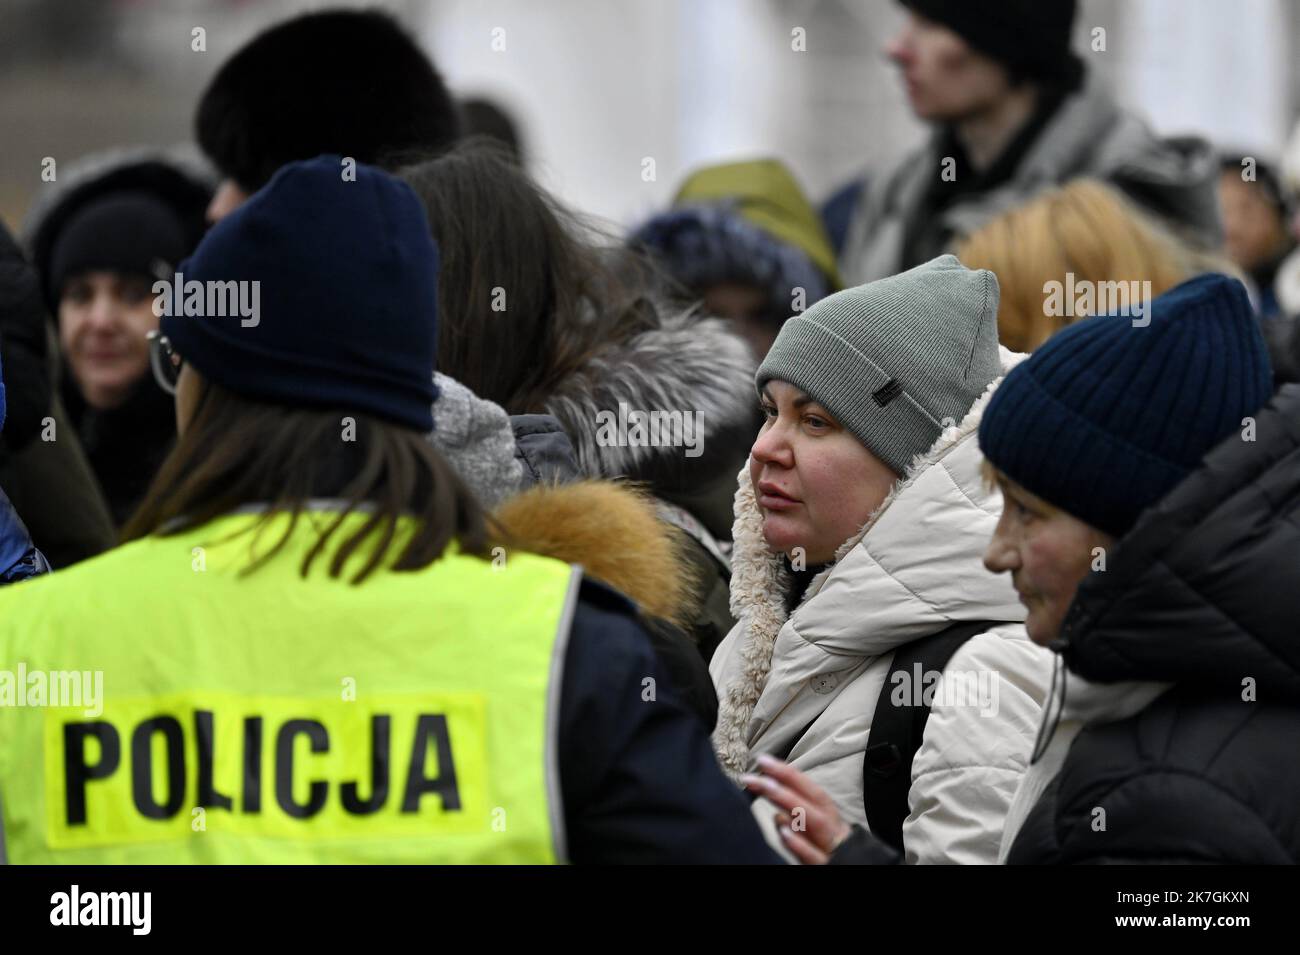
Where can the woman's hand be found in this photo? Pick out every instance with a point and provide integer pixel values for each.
(809, 823)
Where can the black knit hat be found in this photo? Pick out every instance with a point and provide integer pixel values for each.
(132, 233)
(115, 243)
(350, 82)
(1029, 37)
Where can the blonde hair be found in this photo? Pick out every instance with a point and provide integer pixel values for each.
(994, 478)
(1086, 228)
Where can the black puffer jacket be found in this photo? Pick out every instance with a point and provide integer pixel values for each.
(1205, 594)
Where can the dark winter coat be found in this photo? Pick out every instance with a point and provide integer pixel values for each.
(1203, 594)
(639, 781)
(616, 534)
(42, 466)
(1283, 337)
(125, 445)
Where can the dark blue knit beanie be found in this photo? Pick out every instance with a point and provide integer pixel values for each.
(1107, 416)
(347, 298)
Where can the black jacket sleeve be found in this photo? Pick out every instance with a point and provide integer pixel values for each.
(22, 347)
(638, 776)
(862, 848)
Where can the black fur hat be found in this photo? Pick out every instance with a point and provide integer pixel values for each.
(350, 82)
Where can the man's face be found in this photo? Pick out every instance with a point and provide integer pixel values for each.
(229, 197)
(945, 79)
(1048, 554)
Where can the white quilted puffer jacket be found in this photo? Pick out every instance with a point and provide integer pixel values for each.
(915, 568)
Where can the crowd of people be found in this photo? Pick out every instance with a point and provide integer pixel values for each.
(404, 516)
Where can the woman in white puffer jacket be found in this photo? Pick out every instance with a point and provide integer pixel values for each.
(861, 525)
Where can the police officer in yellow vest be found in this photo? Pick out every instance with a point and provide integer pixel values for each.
(309, 650)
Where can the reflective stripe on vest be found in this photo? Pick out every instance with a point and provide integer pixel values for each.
(157, 706)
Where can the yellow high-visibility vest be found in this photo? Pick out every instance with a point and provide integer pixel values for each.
(158, 706)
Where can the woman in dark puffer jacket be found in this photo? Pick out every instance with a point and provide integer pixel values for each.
(1203, 597)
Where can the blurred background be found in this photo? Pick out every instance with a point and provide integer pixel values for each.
(599, 86)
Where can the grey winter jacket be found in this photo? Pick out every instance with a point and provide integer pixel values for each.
(497, 454)
(1089, 135)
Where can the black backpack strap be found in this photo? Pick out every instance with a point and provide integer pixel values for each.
(896, 731)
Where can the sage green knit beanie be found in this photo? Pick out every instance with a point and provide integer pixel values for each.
(896, 360)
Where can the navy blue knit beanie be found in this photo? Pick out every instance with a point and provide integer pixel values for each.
(1107, 416)
(347, 298)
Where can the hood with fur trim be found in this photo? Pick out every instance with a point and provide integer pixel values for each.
(177, 175)
(688, 365)
(915, 567)
(744, 222)
(614, 532)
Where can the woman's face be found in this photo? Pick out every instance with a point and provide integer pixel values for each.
(1048, 554)
(816, 483)
(103, 320)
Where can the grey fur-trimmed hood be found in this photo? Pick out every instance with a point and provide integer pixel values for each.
(686, 364)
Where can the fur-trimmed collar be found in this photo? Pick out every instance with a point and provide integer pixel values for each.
(614, 531)
(760, 583)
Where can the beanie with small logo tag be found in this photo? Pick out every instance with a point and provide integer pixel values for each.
(897, 360)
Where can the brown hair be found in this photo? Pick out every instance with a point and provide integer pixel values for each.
(1085, 227)
(567, 294)
(237, 451)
